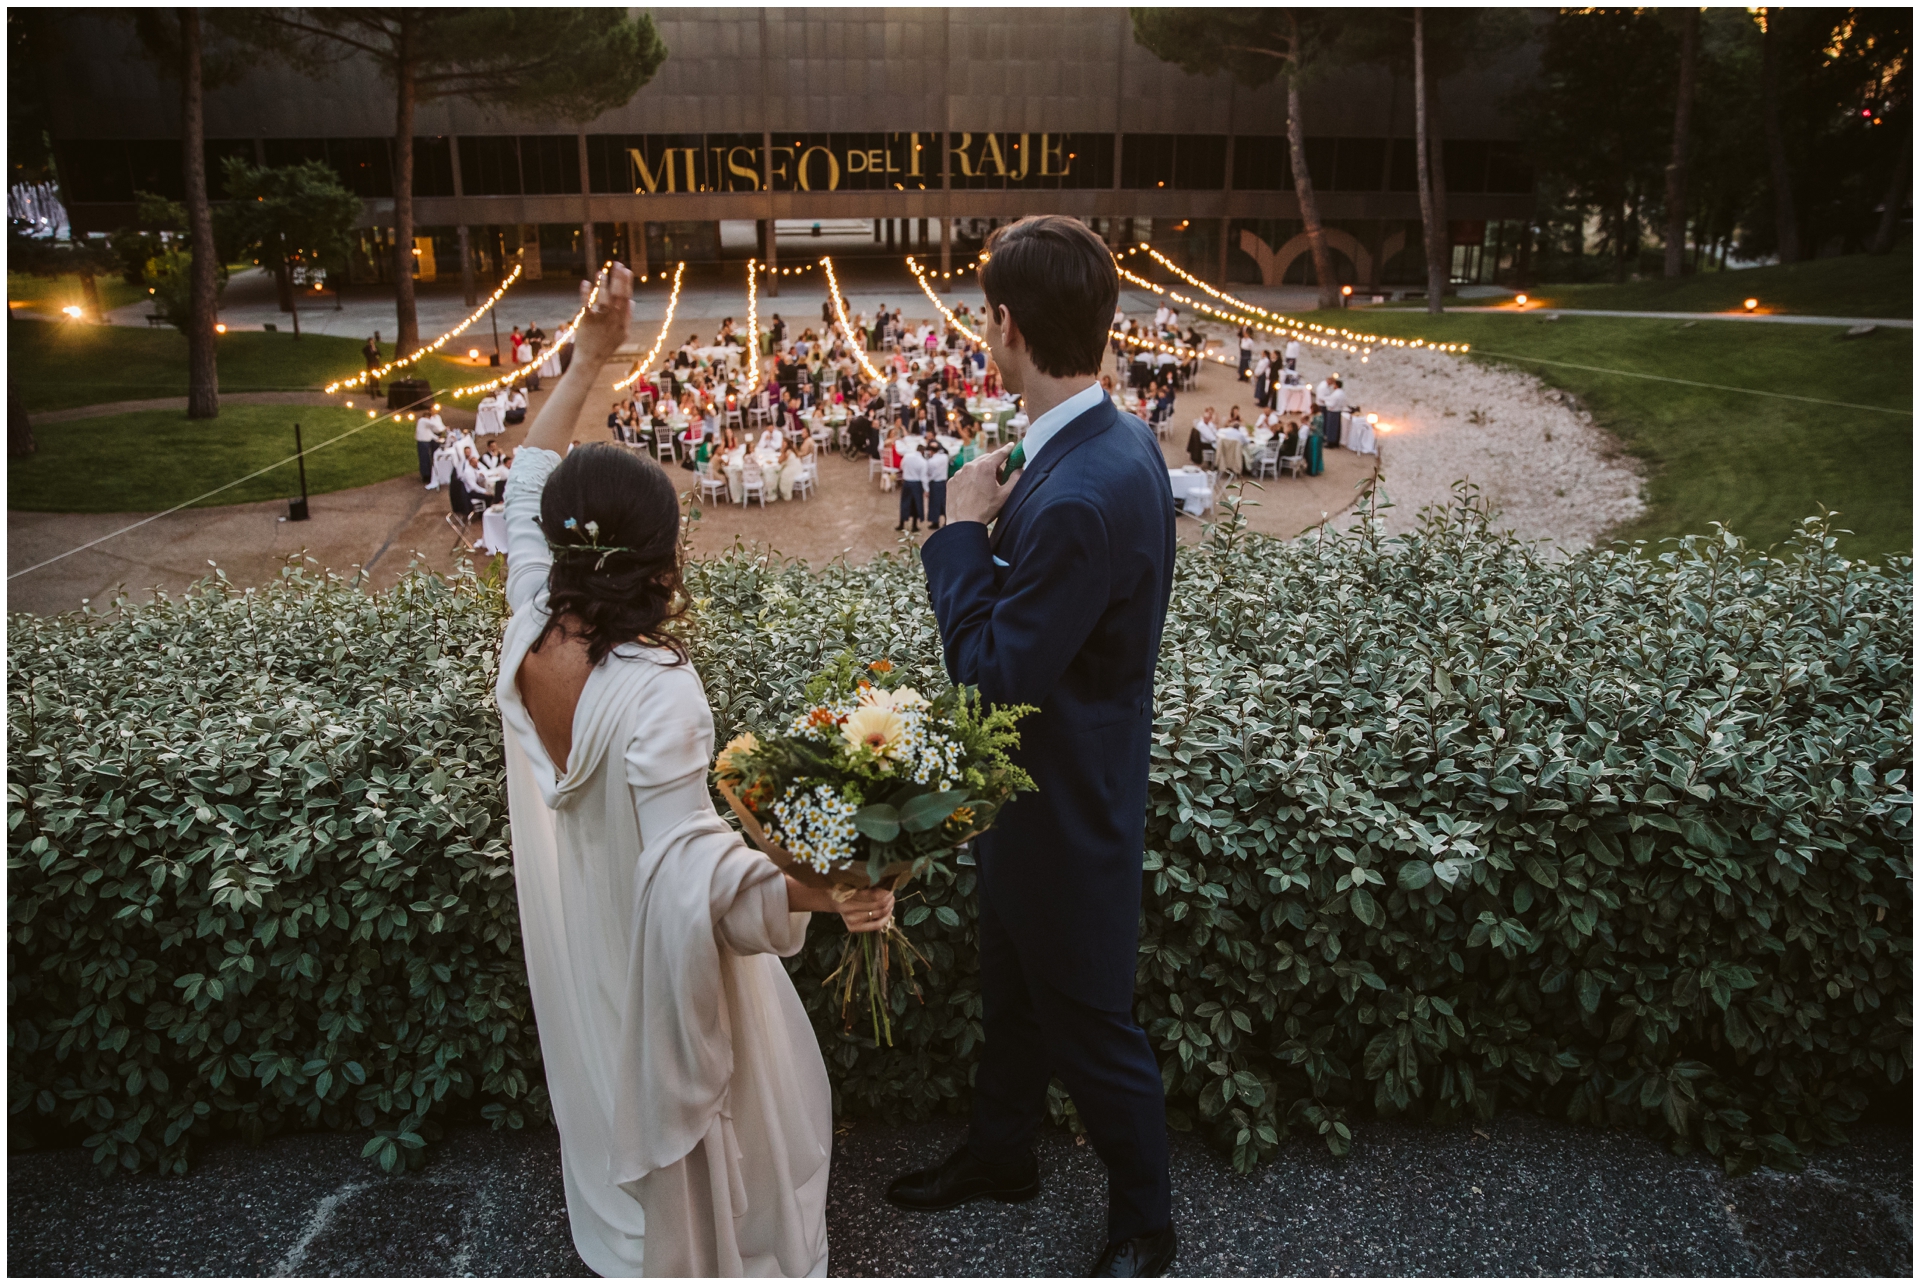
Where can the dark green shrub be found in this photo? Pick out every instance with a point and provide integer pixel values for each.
(1438, 825)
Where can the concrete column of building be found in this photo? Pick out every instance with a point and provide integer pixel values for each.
(592, 257)
(946, 218)
(467, 289)
(773, 226)
(637, 248)
(1226, 220)
(1119, 97)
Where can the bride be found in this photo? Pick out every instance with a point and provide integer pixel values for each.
(692, 1102)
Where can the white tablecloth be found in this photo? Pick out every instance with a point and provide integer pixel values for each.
(493, 530)
(1297, 400)
(1192, 491)
(442, 468)
(488, 420)
(1357, 436)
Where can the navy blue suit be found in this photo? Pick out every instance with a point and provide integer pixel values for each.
(1072, 625)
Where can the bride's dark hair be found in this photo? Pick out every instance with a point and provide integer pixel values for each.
(612, 520)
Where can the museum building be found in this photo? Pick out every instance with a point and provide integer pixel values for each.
(929, 124)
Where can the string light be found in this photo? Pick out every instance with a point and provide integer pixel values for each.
(753, 311)
(560, 336)
(361, 378)
(673, 301)
(1288, 325)
(920, 276)
(859, 347)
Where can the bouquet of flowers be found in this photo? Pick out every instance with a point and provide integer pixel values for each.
(869, 786)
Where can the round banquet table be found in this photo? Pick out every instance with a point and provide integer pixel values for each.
(1295, 399)
(493, 530)
(736, 466)
(1192, 490)
(1357, 436)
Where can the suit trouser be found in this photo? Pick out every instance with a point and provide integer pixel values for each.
(426, 450)
(912, 502)
(1035, 1032)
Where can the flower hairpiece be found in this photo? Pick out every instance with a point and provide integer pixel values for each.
(593, 544)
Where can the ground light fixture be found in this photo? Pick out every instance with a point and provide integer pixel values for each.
(219, 327)
(1520, 301)
(1750, 304)
(473, 354)
(72, 310)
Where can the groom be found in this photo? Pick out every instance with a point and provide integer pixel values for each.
(1061, 605)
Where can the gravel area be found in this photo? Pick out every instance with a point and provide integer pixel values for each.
(1551, 472)
(1520, 1195)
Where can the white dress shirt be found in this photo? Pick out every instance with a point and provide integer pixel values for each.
(1043, 430)
(1209, 430)
(913, 465)
(1293, 349)
(1336, 399)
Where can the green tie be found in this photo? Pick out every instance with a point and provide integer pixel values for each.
(1013, 462)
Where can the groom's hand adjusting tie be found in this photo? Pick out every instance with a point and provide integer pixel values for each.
(978, 491)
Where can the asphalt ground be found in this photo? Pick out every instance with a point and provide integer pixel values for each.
(1519, 1196)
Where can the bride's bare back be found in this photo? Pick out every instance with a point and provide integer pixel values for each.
(550, 682)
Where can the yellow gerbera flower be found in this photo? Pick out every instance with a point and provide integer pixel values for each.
(745, 743)
(876, 727)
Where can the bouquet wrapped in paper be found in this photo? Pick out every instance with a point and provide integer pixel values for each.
(868, 786)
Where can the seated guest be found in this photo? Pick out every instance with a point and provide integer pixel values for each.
(516, 406)
(861, 435)
(1230, 451)
(617, 421)
(793, 465)
(772, 439)
(1205, 434)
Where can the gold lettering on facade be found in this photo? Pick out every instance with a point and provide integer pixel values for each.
(960, 154)
(877, 160)
(650, 181)
(993, 153)
(778, 168)
(693, 184)
(1049, 153)
(854, 155)
(1026, 154)
(913, 156)
(752, 175)
(833, 169)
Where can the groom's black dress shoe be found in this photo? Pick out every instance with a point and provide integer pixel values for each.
(960, 1178)
(1148, 1255)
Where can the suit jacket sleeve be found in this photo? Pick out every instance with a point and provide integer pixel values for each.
(1015, 644)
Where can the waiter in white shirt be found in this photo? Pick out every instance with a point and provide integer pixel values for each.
(1333, 399)
(1293, 354)
(914, 472)
(426, 437)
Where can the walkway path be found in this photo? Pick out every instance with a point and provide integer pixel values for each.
(1519, 1196)
(1777, 318)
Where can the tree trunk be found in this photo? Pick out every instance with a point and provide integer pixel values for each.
(1786, 226)
(1432, 215)
(90, 293)
(1676, 264)
(19, 427)
(408, 317)
(203, 376)
(1896, 197)
(1309, 208)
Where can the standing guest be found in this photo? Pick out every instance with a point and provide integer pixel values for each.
(968, 451)
(936, 467)
(1246, 352)
(1333, 404)
(426, 439)
(372, 353)
(1293, 354)
(913, 484)
(778, 330)
(1262, 377)
(891, 463)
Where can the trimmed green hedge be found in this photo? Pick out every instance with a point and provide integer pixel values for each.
(1438, 825)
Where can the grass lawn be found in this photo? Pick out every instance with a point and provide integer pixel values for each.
(60, 364)
(153, 460)
(1757, 464)
(48, 295)
(1854, 285)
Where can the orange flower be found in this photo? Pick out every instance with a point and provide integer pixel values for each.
(822, 717)
(881, 667)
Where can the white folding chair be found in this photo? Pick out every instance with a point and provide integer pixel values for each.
(734, 419)
(809, 477)
(1267, 463)
(663, 444)
(712, 482)
(753, 482)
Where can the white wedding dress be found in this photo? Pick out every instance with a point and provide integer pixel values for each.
(692, 1101)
